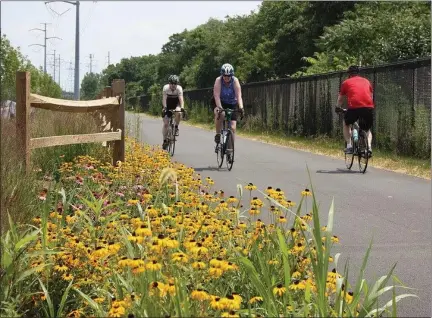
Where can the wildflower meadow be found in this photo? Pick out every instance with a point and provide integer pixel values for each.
(150, 237)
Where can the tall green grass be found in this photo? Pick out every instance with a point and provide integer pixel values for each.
(48, 123)
(20, 191)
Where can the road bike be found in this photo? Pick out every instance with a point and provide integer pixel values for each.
(226, 140)
(171, 137)
(359, 143)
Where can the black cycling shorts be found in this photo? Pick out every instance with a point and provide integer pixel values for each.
(364, 115)
(231, 106)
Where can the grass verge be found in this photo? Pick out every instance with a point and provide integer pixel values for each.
(329, 147)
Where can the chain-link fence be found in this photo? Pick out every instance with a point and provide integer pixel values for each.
(305, 106)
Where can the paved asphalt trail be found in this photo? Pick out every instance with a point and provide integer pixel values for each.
(394, 208)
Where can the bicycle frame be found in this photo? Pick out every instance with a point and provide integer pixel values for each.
(226, 136)
(170, 133)
(361, 137)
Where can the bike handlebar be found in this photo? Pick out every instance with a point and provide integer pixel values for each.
(219, 111)
(174, 111)
(340, 110)
(164, 111)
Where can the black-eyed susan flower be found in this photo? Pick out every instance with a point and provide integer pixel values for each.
(349, 297)
(306, 192)
(250, 186)
(180, 257)
(334, 239)
(254, 210)
(297, 284)
(60, 268)
(230, 313)
(200, 295)
(199, 265)
(67, 276)
(279, 290)
(255, 299)
(153, 265)
(216, 303)
(282, 219)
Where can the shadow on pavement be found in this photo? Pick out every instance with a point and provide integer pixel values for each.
(208, 169)
(337, 171)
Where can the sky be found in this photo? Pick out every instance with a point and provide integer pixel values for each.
(120, 29)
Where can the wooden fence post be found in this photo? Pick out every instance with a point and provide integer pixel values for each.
(107, 116)
(118, 120)
(23, 117)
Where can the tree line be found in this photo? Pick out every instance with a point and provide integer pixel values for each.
(279, 40)
(12, 60)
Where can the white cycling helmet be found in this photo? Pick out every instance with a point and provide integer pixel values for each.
(227, 69)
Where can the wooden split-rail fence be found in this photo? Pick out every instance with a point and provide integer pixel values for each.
(108, 110)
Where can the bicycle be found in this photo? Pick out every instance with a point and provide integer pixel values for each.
(359, 143)
(171, 137)
(226, 139)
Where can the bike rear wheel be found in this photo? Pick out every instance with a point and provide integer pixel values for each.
(363, 151)
(349, 158)
(229, 156)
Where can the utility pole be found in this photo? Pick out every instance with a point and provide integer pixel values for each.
(54, 58)
(108, 58)
(91, 62)
(77, 57)
(44, 45)
(77, 48)
(71, 72)
(59, 61)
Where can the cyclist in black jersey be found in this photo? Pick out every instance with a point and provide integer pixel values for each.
(172, 99)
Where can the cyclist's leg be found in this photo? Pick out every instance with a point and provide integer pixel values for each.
(167, 116)
(218, 124)
(366, 122)
(349, 118)
(177, 120)
(233, 122)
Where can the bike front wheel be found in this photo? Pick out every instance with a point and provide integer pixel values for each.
(171, 140)
(229, 154)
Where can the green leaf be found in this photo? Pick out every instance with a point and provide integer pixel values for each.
(98, 311)
(63, 300)
(29, 272)
(26, 239)
(48, 299)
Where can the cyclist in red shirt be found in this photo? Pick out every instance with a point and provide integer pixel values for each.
(359, 93)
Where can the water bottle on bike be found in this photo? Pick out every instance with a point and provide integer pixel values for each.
(355, 135)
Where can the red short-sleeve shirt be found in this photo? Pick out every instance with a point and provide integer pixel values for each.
(358, 91)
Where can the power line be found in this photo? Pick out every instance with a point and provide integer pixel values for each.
(45, 44)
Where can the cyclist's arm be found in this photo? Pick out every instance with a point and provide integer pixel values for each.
(342, 95)
(238, 93)
(216, 92)
(164, 97)
(180, 96)
(341, 99)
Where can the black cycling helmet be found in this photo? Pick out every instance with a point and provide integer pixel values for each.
(173, 79)
(353, 70)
